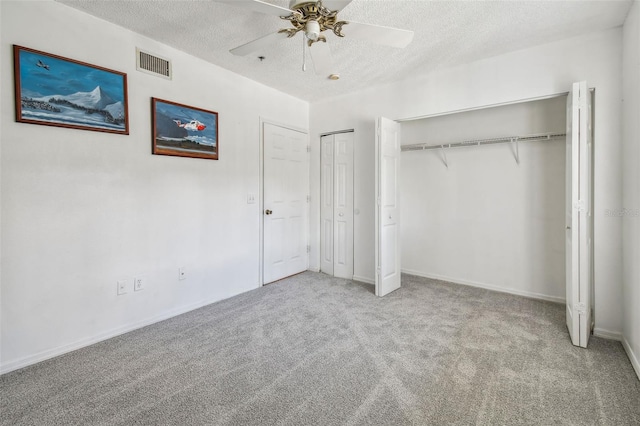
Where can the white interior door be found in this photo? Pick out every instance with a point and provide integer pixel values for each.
(387, 209)
(326, 204)
(285, 198)
(336, 212)
(343, 205)
(579, 214)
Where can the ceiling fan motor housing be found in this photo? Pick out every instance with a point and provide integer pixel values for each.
(312, 18)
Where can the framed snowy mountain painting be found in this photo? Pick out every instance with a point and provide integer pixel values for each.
(56, 91)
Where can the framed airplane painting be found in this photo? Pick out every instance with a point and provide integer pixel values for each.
(56, 91)
(184, 130)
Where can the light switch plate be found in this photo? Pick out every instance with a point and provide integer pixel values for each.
(122, 287)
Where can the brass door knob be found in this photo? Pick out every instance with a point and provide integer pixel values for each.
(268, 212)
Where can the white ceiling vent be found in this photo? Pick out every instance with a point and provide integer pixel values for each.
(153, 64)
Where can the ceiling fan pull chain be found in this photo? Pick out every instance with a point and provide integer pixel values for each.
(304, 54)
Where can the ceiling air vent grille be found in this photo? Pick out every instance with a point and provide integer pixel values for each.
(153, 64)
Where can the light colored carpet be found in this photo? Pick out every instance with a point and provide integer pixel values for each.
(315, 350)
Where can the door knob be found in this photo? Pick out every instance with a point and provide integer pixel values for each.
(268, 212)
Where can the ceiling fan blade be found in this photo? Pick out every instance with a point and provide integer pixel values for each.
(387, 36)
(258, 44)
(259, 6)
(322, 59)
(337, 5)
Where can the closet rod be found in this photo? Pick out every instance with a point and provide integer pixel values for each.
(478, 142)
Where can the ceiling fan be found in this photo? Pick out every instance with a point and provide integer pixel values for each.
(312, 18)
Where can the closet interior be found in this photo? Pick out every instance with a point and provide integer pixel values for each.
(483, 197)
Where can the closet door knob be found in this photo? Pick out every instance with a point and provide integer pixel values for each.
(268, 212)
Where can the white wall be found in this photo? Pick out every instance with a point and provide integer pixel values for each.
(535, 72)
(631, 187)
(1, 262)
(486, 220)
(81, 209)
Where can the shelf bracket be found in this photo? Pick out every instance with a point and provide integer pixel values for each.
(444, 156)
(515, 145)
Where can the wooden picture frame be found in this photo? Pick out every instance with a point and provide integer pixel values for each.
(183, 130)
(55, 91)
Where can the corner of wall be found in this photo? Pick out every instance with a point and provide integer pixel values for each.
(1, 215)
(631, 185)
(635, 361)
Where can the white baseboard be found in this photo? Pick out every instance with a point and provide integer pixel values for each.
(632, 356)
(314, 269)
(61, 350)
(517, 292)
(607, 334)
(364, 279)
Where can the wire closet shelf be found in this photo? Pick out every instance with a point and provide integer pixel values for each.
(513, 140)
(479, 142)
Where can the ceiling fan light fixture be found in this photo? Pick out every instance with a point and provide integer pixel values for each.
(312, 30)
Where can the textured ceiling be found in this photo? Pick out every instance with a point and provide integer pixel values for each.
(446, 33)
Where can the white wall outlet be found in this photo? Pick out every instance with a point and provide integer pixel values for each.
(139, 283)
(122, 287)
(182, 273)
(251, 198)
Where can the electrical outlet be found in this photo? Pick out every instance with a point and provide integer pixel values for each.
(251, 198)
(182, 273)
(139, 283)
(122, 287)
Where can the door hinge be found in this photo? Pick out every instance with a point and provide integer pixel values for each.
(308, 248)
(581, 308)
(579, 206)
(308, 148)
(308, 198)
(378, 201)
(378, 271)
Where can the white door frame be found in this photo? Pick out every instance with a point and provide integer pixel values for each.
(475, 108)
(262, 122)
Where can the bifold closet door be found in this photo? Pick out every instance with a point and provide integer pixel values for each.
(326, 202)
(388, 275)
(579, 220)
(336, 213)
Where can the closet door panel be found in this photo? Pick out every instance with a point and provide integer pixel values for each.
(326, 209)
(388, 277)
(343, 209)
